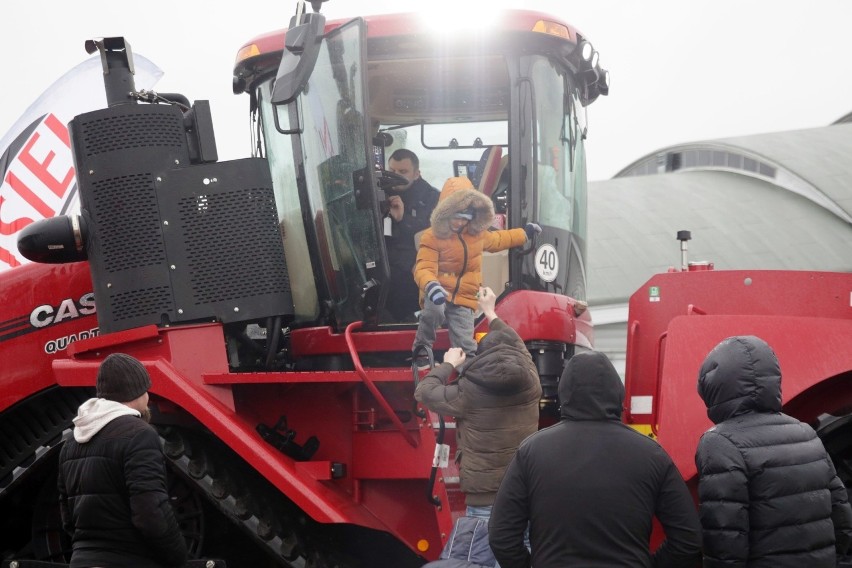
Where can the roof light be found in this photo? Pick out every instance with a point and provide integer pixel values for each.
(247, 52)
(551, 28)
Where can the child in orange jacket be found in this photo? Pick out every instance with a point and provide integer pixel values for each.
(448, 269)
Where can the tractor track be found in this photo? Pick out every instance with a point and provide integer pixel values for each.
(239, 493)
(31, 434)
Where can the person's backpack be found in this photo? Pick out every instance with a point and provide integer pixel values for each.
(468, 546)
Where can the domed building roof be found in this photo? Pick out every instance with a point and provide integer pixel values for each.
(769, 201)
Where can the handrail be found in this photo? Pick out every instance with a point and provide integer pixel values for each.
(692, 309)
(439, 439)
(655, 405)
(433, 474)
(371, 386)
(631, 356)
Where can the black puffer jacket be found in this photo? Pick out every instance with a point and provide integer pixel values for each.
(590, 487)
(495, 403)
(769, 495)
(113, 498)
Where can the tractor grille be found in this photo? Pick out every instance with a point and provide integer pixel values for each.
(223, 219)
(126, 131)
(141, 302)
(171, 241)
(127, 210)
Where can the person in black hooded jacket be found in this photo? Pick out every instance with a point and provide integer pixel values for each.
(768, 492)
(590, 486)
(112, 478)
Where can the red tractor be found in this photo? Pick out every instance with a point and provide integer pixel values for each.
(253, 290)
(676, 318)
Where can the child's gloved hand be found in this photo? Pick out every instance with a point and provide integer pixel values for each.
(436, 293)
(532, 229)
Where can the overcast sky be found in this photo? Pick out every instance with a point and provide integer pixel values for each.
(681, 70)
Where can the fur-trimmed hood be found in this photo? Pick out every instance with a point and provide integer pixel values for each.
(457, 195)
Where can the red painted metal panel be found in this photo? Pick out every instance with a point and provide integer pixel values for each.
(544, 316)
(44, 309)
(319, 470)
(810, 350)
(366, 466)
(677, 318)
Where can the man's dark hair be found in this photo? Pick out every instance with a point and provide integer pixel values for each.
(403, 154)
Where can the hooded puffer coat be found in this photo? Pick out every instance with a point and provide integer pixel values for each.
(495, 402)
(769, 495)
(112, 491)
(590, 486)
(455, 259)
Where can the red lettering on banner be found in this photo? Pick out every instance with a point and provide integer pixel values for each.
(6, 257)
(40, 168)
(14, 226)
(33, 171)
(59, 129)
(28, 195)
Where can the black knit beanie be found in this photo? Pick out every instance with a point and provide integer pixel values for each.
(122, 378)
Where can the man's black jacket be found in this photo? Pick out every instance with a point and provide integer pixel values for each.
(114, 501)
(590, 486)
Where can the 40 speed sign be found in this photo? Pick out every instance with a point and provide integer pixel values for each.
(546, 263)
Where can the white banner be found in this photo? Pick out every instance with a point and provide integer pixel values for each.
(38, 179)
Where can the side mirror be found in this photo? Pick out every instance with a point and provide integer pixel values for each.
(302, 46)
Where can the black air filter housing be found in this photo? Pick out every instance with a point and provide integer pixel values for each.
(170, 241)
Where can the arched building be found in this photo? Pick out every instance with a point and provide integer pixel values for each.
(769, 201)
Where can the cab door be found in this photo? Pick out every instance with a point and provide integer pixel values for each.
(337, 185)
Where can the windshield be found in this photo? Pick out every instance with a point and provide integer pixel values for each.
(560, 181)
(509, 118)
(557, 183)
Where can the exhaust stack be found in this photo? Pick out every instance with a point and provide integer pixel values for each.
(684, 237)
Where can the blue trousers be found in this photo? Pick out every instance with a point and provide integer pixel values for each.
(484, 512)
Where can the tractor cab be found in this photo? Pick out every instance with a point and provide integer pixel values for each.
(502, 102)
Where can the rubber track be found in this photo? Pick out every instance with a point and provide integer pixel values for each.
(33, 430)
(243, 496)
